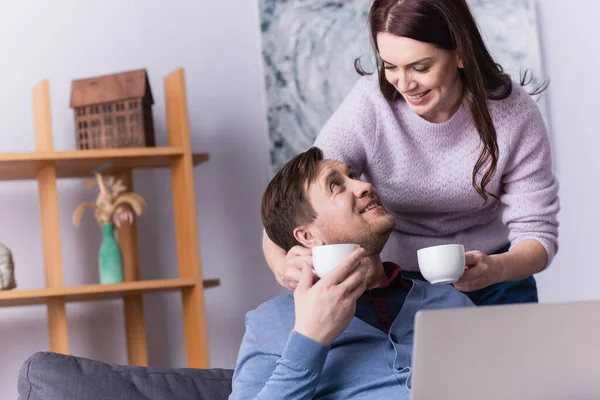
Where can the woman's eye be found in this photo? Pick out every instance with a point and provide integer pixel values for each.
(421, 70)
(333, 186)
(389, 66)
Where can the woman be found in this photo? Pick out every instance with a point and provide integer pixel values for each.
(458, 152)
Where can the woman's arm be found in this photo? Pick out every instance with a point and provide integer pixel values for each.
(523, 260)
(530, 197)
(273, 255)
(530, 188)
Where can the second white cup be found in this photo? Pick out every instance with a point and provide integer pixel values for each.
(442, 264)
(327, 257)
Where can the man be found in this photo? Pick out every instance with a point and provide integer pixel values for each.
(349, 335)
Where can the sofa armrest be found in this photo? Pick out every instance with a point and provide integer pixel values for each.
(53, 376)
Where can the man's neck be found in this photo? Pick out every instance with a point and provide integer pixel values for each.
(377, 276)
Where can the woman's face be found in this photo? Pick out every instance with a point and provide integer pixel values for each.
(426, 76)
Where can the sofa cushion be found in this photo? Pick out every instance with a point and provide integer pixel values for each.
(53, 376)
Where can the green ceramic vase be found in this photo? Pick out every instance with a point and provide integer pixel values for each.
(110, 258)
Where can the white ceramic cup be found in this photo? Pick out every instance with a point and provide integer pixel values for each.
(442, 264)
(327, 257)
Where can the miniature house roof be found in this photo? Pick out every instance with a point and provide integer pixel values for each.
(110, 88)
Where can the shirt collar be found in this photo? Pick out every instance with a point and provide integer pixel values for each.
(394, 279)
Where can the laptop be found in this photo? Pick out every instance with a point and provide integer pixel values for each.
(508, 352)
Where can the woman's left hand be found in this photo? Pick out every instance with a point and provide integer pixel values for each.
(481, 271)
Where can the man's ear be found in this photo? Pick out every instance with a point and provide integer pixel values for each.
(307, 237)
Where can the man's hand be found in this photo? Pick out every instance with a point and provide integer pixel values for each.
(324, 309)
(482, 271)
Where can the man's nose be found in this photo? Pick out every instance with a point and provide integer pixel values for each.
(362, 188)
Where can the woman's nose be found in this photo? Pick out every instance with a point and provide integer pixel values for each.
(405, 83)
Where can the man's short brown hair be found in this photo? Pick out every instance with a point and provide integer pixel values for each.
(284, 203)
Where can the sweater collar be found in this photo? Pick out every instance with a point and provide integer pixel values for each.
(418, 124)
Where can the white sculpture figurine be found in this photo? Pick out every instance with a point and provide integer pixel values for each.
(7, 269)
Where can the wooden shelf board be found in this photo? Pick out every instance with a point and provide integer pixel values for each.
(82, 163)
(95, 292)
(208, 283)
(199, 158)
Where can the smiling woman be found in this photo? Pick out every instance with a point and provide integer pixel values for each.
(424, 75)
(457, 151)
(447, 35)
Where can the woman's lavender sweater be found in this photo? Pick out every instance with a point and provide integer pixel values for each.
(423, 171)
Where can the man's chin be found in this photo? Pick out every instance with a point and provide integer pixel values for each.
(372, 236)
(387, 225)
(375, 244)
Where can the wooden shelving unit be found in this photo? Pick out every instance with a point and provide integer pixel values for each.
(46, 166)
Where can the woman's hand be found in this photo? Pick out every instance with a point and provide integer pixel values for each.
(481, 271)
(288, 270)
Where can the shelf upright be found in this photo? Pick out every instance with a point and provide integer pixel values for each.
(186, 224)
(48, 197)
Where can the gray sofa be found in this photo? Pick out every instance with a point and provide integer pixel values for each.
(52, 376)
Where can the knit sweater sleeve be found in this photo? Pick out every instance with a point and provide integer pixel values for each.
(530, 187)
(263, 374)
(352, 129)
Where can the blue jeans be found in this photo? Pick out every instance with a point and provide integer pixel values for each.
(523, 291)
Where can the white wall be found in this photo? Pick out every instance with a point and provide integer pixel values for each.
(218, 44)
(569, 32)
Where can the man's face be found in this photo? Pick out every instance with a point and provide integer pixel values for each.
(348, 210)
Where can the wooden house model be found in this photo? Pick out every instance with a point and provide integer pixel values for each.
(113, 111)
